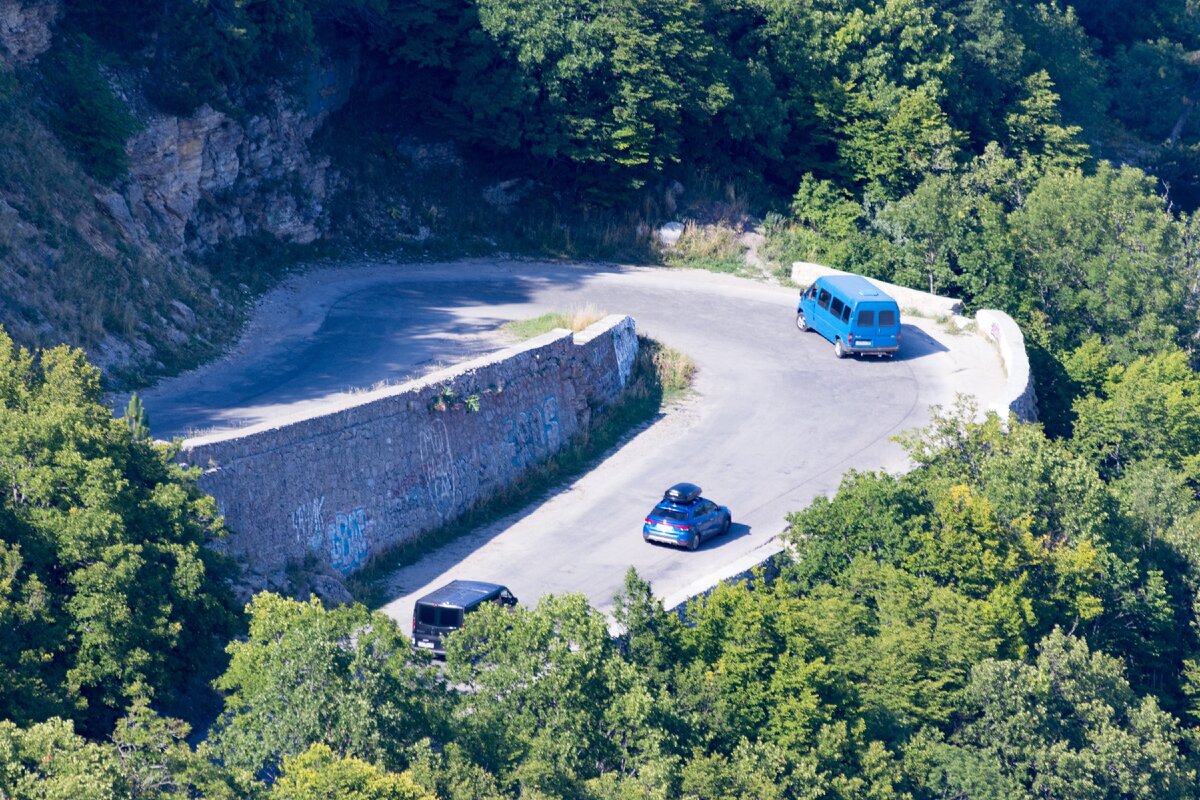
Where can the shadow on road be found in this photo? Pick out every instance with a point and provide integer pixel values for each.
(916, 343)
(736, 531)
(390, 331)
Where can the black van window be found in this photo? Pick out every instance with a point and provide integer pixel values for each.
(866, 318)
(846, 314)
(836, 308)
(887, 318)
(823, 299)
(439, 616)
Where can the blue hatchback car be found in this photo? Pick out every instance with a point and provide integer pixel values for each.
(685, 519)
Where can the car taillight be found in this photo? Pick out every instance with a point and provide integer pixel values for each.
(414, 622)
(649, 521)
(850, 339)
(683, 527)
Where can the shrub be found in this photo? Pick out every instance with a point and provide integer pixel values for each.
(84, 112)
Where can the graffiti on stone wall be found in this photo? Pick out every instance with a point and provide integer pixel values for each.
(308, 522)
(625, 346)
(533, 433)
(348, 544)
(437, 461)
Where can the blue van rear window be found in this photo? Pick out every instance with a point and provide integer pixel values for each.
(866, 318)
(887, 317)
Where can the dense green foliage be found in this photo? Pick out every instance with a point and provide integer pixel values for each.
(1014, 618)
(874, 94)
(107, 591)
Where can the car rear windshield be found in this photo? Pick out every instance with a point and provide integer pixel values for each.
(866, 318)
(669, 512)
(439, 616)
(887, 317)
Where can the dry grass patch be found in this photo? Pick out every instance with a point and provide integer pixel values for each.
(573, 320)
(712, 247)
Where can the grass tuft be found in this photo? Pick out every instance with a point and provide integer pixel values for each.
(574, 320)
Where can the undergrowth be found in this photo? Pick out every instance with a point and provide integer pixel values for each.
(660, 376)
(711, 247)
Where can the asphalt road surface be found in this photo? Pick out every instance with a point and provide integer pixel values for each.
(775, 418)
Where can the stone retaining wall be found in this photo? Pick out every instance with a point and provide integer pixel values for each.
(1020, 396)
(354, 480)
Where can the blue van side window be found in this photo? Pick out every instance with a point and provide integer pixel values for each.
(887, 317)
(823, 299)
(866, 318)
(836, 307)
(846, 314)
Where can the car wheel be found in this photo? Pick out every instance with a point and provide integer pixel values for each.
(801, 322)
(694, 542)
(839, 349)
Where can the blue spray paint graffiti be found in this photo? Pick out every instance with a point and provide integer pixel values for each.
(348, 545)
(533, 434)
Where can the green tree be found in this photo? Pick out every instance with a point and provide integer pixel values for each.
(85, 114)
(109, 583)
(1097, 254)
(345, 678)
(49, 761)
(318, 774)
(1147, 410)
(1067, 726)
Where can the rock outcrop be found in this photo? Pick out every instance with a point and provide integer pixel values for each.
(200, 181)
(25, 29)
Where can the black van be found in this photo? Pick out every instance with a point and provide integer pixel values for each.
(441, 611)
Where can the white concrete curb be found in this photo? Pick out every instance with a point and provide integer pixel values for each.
(1019, 397)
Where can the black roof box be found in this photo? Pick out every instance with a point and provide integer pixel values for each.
(682, 493)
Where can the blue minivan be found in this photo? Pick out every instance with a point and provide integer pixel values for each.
(851, 312)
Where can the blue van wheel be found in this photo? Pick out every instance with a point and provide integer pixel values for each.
(801, 322)
(839, 349)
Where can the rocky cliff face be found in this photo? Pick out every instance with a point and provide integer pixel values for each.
(112, 267)
(25, 29)
(200, 181)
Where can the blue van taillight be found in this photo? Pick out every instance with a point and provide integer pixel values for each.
(850, 339)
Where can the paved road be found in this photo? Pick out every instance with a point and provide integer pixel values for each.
(776, 419)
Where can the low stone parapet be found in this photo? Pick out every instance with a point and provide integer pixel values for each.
(348, 482)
